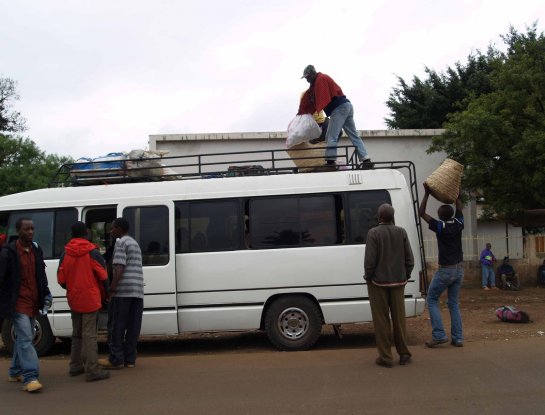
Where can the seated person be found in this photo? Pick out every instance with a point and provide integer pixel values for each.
(541, 275)
(509, 278)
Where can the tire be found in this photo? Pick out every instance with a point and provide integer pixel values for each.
(293, 323)
(43, 336)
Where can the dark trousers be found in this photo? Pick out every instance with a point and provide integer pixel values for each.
(84, 349)
(124, 323)
(386, 301)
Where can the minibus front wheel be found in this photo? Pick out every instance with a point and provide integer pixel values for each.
(43, 336)
(293, 323)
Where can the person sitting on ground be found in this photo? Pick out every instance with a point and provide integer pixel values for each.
(541, 275)
(509, 279)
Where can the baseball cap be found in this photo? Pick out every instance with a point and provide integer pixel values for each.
(308, 70)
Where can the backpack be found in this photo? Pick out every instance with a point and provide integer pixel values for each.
(510, 314)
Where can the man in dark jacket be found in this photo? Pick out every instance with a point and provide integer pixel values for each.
(388, 265)
(82, 272)
(23, 291)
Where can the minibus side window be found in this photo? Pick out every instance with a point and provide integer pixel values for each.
(64, 219)
(207, 226)
(51, 228)
(149, 227)
(293, 221)
(362, 209)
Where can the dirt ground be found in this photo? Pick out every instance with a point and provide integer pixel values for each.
(478, 315)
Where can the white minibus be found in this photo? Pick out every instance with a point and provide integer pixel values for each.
(241, 249)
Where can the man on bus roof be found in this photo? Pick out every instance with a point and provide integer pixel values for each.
(324, 94)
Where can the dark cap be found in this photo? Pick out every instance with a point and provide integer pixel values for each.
(308, 71)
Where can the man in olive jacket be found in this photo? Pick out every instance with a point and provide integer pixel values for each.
(388, 264)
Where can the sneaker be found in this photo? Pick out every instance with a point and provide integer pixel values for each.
(493, 287)
(32, 386)
(98, 376)
(16, 378)
(434, 343)
(76, 372)
(106, 364)
(384, 363)
(130, 365)
(486, 288)
(404, 359)
(457, 343)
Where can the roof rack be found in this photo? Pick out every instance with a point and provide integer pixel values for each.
(201, 166)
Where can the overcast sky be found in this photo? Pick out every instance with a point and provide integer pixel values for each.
(100, 76)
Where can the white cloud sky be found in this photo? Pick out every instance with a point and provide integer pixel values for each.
(97, 77)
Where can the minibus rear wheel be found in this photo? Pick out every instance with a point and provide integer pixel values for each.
(293, 323)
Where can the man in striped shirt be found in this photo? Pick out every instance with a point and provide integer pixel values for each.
(126, 299)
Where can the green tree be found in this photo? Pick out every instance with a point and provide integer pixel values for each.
(24, 166)
(426, 103)
(500, 136)
(10, 121)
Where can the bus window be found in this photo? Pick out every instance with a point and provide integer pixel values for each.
(99, 221)
(149, 227)
(64, 219)
(293, 221)
(51, 228)
(181, 217)
(362, 208)
(205, 226)
(318, 223)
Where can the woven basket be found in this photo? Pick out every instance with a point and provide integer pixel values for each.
(315, 151)
(444, 183)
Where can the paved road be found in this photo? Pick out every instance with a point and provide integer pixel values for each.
(497, 377)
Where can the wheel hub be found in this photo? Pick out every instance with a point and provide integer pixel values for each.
(293, 323)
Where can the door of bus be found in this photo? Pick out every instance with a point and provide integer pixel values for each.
(152, 227)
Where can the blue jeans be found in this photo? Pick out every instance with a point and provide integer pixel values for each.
(488, 275)
(446, 279)
(342, 117)
(25, 359)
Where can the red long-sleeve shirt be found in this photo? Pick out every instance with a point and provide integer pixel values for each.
(319, 95)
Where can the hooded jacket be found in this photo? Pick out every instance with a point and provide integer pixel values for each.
(82, 272)
(10, 278)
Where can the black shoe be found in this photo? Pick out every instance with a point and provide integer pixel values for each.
(76, 372)
(457, 343)
(404, 359)
(366, 164)
(384, 363)
(434, 343)
(99, 376)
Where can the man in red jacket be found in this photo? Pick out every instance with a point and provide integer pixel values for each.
(82, 272)
(324, 94)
